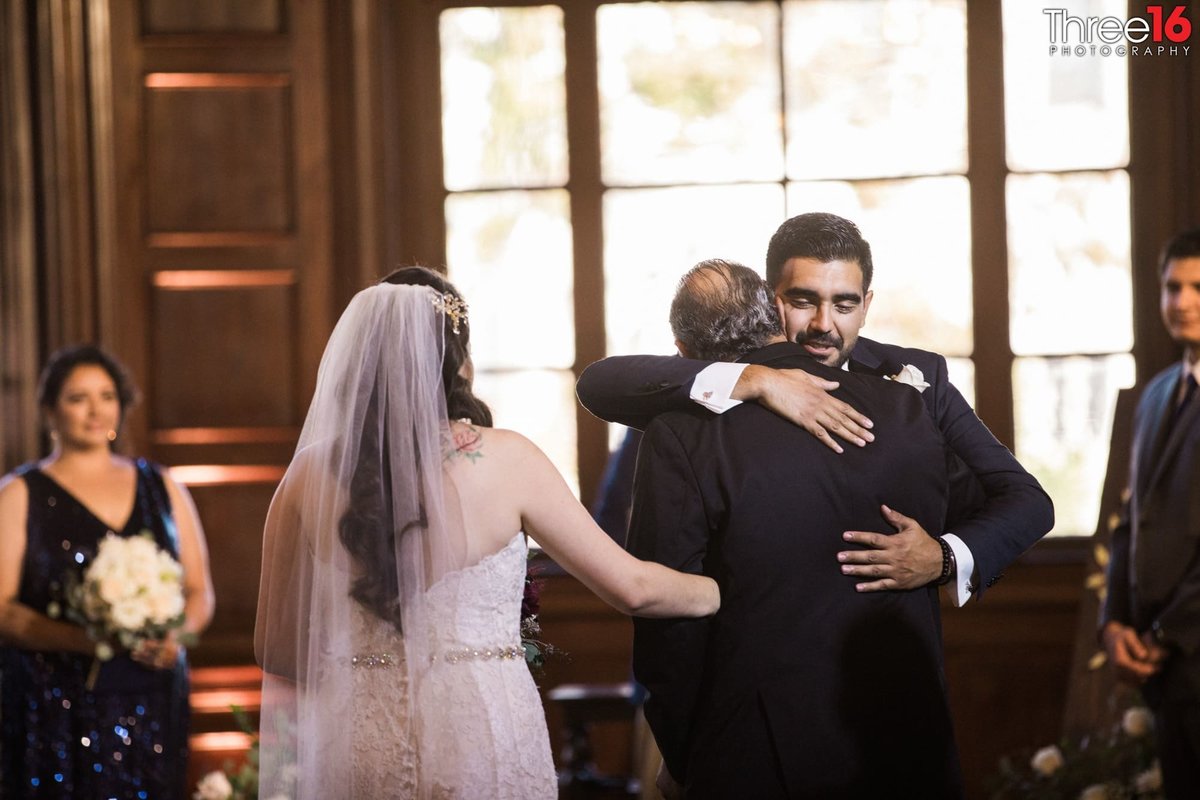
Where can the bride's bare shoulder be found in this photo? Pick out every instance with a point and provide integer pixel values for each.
(476, 444)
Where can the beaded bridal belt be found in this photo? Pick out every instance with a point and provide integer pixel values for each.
(390, 660)
(479, 654)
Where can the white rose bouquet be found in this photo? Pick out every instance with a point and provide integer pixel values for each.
(131, 592)
(1117, 764)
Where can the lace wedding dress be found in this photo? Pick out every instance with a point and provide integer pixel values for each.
(478, 709)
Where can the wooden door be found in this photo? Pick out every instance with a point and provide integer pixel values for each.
(217, 287)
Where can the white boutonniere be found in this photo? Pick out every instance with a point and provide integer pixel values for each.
(911, 376)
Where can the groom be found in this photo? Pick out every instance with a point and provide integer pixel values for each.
(801, 686)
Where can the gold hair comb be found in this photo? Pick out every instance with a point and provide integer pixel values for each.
(453, 307)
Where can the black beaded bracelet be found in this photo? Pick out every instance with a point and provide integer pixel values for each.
(947, 562)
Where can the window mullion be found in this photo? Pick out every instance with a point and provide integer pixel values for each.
(987, 173)
(587, 196)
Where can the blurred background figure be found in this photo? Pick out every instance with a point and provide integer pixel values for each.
(74, 725)
(615, 495)
(1151, 620)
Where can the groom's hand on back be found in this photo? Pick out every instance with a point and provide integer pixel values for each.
(804, 400)
(907, 559)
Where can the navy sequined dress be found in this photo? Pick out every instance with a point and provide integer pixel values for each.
(127, 738)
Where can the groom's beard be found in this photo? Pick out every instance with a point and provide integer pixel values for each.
(837, 353)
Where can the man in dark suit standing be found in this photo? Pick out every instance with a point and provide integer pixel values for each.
(821, 270)
(1150, 623)
(801, 686)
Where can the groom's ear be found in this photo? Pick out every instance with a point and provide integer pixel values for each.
(867, 302)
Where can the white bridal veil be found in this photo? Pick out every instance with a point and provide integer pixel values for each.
(363, 523)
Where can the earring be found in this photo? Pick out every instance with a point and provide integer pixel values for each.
(112, 436)
(54, 436)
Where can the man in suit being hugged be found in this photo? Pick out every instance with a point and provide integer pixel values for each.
(1150, 623)
(821, 268)
(801, 686)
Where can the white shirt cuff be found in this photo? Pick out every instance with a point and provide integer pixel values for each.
(965, 567)
(714, 384)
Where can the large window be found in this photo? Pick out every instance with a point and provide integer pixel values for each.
(697, 127)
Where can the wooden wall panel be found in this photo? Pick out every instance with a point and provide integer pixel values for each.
(224, 268)
(233, 514)
(218, 152)
(212, 16)
(223, 358)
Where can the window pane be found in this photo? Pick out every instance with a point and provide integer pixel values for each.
(1069, 263)
(504, 119)
(689, 92)
(540, 405)
(962, 375)
(510, 256)
(1062, 111)
(653, 236)
(875, 89)
(920, 236)
(1064, 413)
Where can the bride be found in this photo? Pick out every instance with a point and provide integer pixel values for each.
(394, 566)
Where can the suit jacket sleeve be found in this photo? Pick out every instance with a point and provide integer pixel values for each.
(668, 525)
(1116, 599)
(632, 390)
(1015, 512)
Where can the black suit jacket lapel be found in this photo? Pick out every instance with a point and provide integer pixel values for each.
(867, 360)
(1170, 441)
(1155, 443)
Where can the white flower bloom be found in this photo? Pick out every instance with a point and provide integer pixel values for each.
(213, 786)
(1047, 761)
(132, 589)
(104, 651)
(1137, 721)
(129, 615)
(911, 376)
(1097, 791)
(1150, 780)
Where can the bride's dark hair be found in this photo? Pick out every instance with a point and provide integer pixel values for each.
(461, 403)
(367, 527)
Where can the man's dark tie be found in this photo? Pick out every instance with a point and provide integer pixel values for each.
(1188, 394)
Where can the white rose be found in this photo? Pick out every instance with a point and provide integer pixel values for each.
(1097, 791)
(1137, 721)
(165, 604)
(911, 376)
(1047, 761)
(213, 786)
(129, 615)
(1150, 780)
(112, 588)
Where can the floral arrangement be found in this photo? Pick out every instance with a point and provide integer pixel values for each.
(234, 782)
(131, 592)
(536, 650)
(1120, 765)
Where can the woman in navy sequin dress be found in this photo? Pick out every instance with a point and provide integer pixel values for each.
(126, 737)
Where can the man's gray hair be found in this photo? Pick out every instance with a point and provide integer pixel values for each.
(723, 310)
